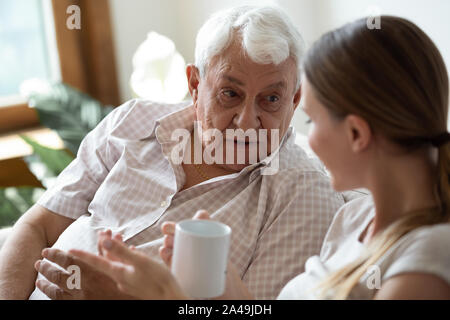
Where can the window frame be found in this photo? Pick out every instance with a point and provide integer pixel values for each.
(86, 60)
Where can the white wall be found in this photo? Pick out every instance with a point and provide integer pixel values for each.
(180, 20)
(131, 21)
(315, 17)
(177, 19)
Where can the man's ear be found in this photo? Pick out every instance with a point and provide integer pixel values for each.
(297, 97)
(193, 77)
(359, 133)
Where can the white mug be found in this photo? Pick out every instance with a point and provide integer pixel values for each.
(200, 256)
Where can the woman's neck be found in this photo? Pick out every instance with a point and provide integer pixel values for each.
(399, 186)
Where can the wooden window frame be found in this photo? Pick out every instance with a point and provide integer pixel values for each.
(86, 59)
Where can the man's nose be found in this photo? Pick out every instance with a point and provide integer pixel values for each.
(247, 117)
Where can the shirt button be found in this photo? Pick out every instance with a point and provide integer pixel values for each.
(163, 203)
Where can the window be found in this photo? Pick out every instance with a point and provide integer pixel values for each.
(36, 43)
(27, 49)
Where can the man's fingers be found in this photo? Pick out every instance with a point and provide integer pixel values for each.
(166, 255)
(168, 227)
(202, 214)
(53, 274)
(118, 237)
(101, 235)
(107, 234)
(52, 291)
(59, 257)
(168, 241)
(99, 247)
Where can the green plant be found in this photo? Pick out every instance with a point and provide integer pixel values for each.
(72, 115)
(69, 112)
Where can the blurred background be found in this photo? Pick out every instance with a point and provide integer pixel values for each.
(180, 20)
(72, 61)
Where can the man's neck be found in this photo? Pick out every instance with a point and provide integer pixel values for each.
(197, 173)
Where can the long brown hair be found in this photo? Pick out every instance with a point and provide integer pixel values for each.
(395, 78)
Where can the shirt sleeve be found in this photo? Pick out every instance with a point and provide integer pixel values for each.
(424, 250)
(77, 184)
(303, 207)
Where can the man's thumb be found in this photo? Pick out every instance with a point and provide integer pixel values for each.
(202, 215)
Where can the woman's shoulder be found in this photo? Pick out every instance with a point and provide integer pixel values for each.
(424, 249)
(434, 232)
(427, 239)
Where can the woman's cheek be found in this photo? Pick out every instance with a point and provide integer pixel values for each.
(313, 140)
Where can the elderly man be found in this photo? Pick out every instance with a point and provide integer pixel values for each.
(246, 76)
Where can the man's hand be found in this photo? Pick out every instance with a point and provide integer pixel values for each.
(168, 229)
(94, 284)
(38, 228)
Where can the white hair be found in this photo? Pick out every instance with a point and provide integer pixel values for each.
(267, 35)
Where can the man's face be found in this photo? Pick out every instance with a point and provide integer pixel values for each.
(237, 93)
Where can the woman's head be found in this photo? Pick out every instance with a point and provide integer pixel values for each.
(390, 83)
(378, 89)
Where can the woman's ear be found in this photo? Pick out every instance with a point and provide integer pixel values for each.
(359, 133)
(193, 77)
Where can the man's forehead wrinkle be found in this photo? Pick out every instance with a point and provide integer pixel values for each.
(224, 68)
(217, 68)
(230, 67)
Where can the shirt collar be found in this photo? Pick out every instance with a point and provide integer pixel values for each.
(181, 119)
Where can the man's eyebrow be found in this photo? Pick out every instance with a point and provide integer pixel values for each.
(279, 84)
(232, 79)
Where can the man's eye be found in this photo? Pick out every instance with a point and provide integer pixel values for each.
(229, 93)
(272, 98)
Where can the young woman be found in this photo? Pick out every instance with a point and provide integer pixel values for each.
(378, 102)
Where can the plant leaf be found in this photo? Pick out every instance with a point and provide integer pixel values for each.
(69, 112)
(54, 160)
(14, 201)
